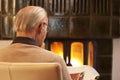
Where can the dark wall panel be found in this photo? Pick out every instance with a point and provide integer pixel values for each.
(79, 27)
(58, 28)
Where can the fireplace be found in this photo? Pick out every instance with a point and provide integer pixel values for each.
(75, 52)
(93, 52)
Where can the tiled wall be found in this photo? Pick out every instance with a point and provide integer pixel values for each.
(104, 58)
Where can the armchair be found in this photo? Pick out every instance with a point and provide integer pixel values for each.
(30, 71)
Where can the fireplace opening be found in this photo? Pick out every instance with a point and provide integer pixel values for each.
(57, 47)
(75, 52)
(77, 56)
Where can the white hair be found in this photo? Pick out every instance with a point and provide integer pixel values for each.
(29, 18)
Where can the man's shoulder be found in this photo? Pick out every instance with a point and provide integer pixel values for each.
(49, 52)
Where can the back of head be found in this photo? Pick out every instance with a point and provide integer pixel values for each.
(29, 18)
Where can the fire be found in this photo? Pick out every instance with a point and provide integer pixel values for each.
(90, 54)
(57, 47)
(76, 62)
(77, 54)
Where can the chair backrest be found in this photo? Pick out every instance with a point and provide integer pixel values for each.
(30, 71)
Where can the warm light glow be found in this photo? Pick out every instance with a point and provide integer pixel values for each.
(90, 54)
(76, 62)
(67, 60)
(57, 47)
(77, 56)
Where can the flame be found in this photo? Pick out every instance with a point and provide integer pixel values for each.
(76, 63)
(77, 49)
(57, 47)
(90, 54)
(77, 56)
(77, 53)
(67, 60)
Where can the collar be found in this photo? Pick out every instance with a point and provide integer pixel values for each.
(25, 40)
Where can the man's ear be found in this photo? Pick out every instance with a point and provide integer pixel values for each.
(39, 29)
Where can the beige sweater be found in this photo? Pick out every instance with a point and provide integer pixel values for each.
(19, 52)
